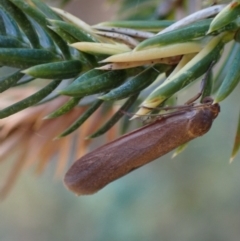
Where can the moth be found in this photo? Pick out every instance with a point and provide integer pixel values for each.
(111, 161)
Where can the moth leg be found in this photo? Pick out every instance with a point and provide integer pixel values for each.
(202, 85)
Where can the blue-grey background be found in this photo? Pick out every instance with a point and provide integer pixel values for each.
(195, 196)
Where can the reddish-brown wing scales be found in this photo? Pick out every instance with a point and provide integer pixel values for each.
(111, 161)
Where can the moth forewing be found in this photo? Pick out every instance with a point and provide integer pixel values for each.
(111, 161)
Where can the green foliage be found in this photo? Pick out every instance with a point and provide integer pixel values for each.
(48, 43)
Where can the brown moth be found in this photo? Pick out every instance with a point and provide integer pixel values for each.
(111, 161)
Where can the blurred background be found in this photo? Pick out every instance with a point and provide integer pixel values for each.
(192, 197)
